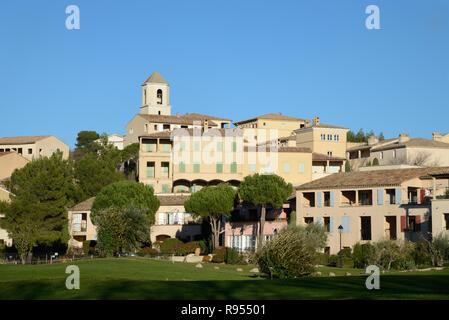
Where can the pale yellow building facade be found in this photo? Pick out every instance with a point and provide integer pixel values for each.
(33, 147)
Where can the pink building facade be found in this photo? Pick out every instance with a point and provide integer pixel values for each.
(242, 229)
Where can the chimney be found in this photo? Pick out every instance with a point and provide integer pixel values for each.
(316, 121)
(403, 137)
(436, 136)
(373, 140)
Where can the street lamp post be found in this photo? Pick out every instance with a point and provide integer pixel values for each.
(233, 239)
(340, 229)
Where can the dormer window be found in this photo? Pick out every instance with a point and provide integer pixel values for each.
(159, 96)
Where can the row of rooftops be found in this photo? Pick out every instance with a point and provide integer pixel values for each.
(22, 140)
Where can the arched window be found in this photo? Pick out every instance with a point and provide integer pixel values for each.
(159, 96)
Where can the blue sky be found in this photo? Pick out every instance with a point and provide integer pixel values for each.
(236, 59)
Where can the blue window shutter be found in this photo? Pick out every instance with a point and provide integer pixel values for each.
(331, 226)
(345, 223)
(331, 198)
(318, 220)
(398, 195)
(380, 196)
(318, 199)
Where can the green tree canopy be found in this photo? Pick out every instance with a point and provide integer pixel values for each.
(212, 203)
(37, 214)
(85, 139)
(97, 169)
(121, 195)
(264, 190)
(126, 228)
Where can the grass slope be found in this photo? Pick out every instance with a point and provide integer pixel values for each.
(138, 278)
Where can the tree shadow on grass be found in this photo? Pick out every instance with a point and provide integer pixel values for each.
(392, 287)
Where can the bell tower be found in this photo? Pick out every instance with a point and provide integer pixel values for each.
(155, 96)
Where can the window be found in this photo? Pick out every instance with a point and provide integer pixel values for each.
(413, 224)
(394, 153)
(234, 167)
(219, 167)
(146, 127)
(336, 137)
(30, 151)
(301, 167)
(166, 147)
(234, 146)
(308, 220)
(219, 146)
(196, 145)
(329, 153)
(150, 169)
(381, 156)
(286, 167)
(182, 146)
(446, 221)
(20, 151)
(327, 223)
(159, 96)
(366, 228)
(196, 167)
(323, 137)
(145, 96)
(264, 124)
(155, 127)
(182, 167)
(252, 167)
(243, 243)
(329, 137)
(131, 131)
(165, 169)
(165, 188)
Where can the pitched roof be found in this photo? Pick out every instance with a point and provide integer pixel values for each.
(21, 140)
(155, 78)
(86, 205)
(224, 132)
(365, 145)
(291, 137)
(203, 116)
(173, 199)
(323, 125)
(159, 118)
(272, 116)
(369, 178)
(266, 148)
(415, 142)
(324, 157)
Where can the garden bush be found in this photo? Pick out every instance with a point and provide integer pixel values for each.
(333, 260)
(322, 259)
(421, 255)
(224, 254)
(346, 253)
(169, 245)
(293, 252)
(439, 250)
(363, 255)
(147, 251)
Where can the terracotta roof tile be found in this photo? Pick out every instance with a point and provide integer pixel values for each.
(21, 140)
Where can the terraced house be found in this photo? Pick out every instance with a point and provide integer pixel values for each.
(372, 205)
(33, 147)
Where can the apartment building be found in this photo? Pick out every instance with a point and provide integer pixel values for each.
(155, 113)
(400, 150)
(187, 160)
(437, 136)
(33, 147)
(371, 205)
(4, 238)
(269, 127)
(10, 161)
(171, 221)
(440, 203)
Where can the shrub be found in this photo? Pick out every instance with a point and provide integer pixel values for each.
(375, 162)
(394, 254)
(439, 249)
(147, 251)
(346, 253)
(206, 259)
(322, 258)
(421, 255)
(333, 260)
(169, 245)
(293, 252)
(89, 247)
(362, 255)
(223, 254)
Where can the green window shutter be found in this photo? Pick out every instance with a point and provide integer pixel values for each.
(182, 167)
(234, 167)
(149, 147)
(197, 146)
(286, 167)
(166, 147)
(150, 171)
(219, 146)
(301, 167)
(196, 167)
(219, 167)
(234, 146)
(182, 146)
(165, 188)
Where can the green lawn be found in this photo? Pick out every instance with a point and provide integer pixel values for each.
(139, 278)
